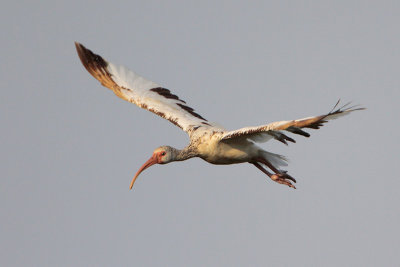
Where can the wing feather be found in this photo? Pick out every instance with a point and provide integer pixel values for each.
(146, 94)
(274, 130)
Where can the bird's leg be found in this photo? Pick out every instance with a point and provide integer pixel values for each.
(278, 172)
(280, 177)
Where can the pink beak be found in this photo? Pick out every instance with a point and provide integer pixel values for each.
(153, 160)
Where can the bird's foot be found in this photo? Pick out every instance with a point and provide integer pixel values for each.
(284, 178)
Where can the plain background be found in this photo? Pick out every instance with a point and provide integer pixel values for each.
(69, 147)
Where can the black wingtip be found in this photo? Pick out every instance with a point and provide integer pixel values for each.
(90, 60)
(81, 50)
(345, 107)
(84, 54)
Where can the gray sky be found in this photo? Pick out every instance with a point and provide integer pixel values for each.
(69, 147)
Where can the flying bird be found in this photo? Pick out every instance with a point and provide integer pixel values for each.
(208, 141)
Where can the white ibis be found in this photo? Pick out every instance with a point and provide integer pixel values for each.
(207, 140)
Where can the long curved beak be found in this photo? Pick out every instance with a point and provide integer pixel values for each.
(153, 160)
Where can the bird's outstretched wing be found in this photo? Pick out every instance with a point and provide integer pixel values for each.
(146, 94)
(274, 130)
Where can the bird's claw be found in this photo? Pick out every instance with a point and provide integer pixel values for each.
(284, 178)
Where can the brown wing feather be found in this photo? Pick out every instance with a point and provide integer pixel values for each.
(96, 66)
(175, 109)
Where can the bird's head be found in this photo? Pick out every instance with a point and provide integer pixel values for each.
(161, 155)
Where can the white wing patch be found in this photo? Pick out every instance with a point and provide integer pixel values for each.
(128, 79)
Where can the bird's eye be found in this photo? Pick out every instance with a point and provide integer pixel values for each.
(163, 153)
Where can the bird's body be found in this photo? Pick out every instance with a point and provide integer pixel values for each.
(209, 147)
(207, 140)
(217, 152)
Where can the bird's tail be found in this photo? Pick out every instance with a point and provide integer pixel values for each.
(275, 159)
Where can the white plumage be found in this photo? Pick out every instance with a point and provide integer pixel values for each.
(207, 140)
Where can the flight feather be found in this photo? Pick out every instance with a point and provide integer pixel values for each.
(146, 94)
(275, 130)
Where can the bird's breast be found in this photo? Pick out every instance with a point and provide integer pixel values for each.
(213, 151)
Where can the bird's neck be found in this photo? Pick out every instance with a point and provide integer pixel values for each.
(186, 153)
